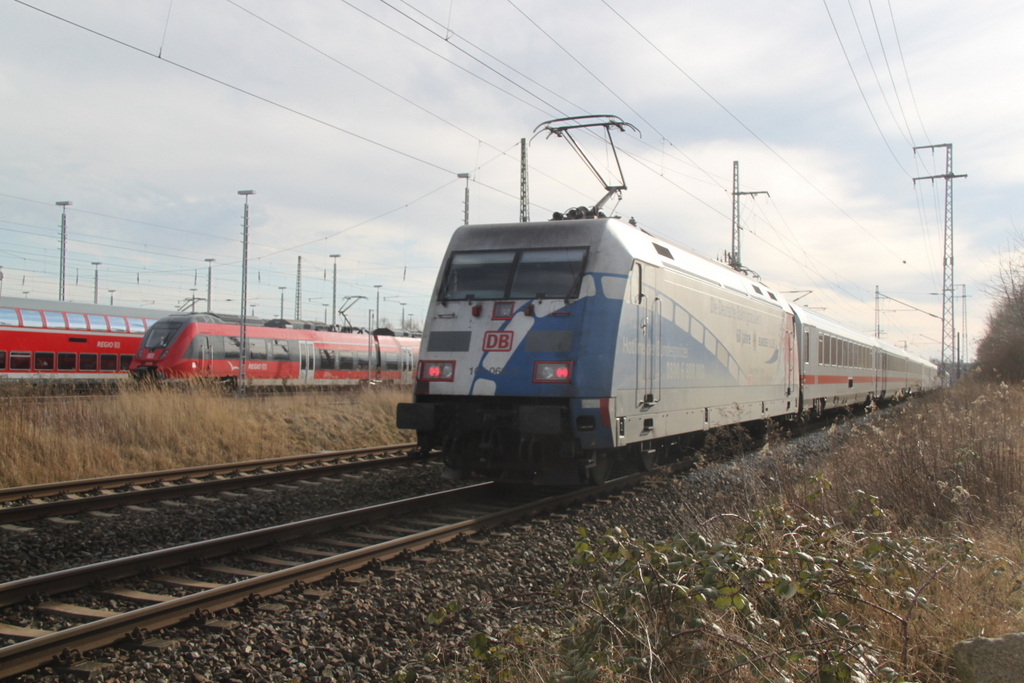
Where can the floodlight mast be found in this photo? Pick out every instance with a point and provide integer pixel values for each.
(562, 128)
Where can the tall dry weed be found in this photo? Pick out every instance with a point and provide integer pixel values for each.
(150, 427)
(950, 458)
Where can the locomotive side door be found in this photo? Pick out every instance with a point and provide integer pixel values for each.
(642, 292)
(306, 362)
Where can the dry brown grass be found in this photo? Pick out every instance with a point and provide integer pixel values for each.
(146, 427)
(934, 486)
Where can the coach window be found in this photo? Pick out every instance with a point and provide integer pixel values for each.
(821, 349)
(257, 349)
(326, 359)
(21, 360)
(231, 346)
(87, 361)
(136, 325)
(117, 324)
(98, 323)
(76, 321)
(54, 319)
(43, 360)
(108, 362)
(9, 316)
(346, 361)
(362, 360)
(3, 360)
(31, 318)
(279, 350)
(126, 361)
(66, 361)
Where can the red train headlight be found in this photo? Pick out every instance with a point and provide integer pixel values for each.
(437, 370)
(551, 371)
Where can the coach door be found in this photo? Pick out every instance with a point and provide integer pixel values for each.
(407, 364)
(205, 356)
(307, 361)
(648, 334)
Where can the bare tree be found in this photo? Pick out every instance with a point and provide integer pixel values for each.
(1001, 352)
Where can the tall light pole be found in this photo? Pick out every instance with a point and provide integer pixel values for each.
(377, 319)
(63, 243)
(334, 294)
(96, 282)
(465, 211)
(401, 321)
(209, 282)
(282, 301)
(243, 343)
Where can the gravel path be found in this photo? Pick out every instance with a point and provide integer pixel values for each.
(373, 625)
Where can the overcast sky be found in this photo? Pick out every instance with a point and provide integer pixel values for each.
(351, 120)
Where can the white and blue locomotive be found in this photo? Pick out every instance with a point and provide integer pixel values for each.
(552, 350)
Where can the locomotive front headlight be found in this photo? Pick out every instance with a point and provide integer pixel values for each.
(551, 371)
(437, 370)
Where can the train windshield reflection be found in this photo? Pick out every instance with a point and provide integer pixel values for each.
(160, 335)
(519, 274)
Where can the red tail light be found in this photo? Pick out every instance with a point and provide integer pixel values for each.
(437, 370)
(551, 371)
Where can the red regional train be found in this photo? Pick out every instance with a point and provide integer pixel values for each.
(280, 353)
(61, 341)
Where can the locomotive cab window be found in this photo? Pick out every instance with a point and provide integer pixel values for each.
(514, 274)
(160, 335)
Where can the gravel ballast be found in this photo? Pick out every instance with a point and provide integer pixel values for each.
(418, 613)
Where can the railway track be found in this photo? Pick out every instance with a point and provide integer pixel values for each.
(26, 503)
(126, 598)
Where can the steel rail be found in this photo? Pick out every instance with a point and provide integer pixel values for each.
(198, 471)
(71, 506)
(14, 592)
(30, 654)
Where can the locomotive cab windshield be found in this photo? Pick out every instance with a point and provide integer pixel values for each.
(161, 334)
(514, 274)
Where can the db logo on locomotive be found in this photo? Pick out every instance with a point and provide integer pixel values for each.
(497, 341)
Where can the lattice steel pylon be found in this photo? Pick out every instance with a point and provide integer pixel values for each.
(524, 184)
(948, 318)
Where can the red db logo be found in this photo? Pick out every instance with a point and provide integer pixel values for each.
(497, 341)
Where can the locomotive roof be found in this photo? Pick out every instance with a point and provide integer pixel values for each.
(634, 241)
